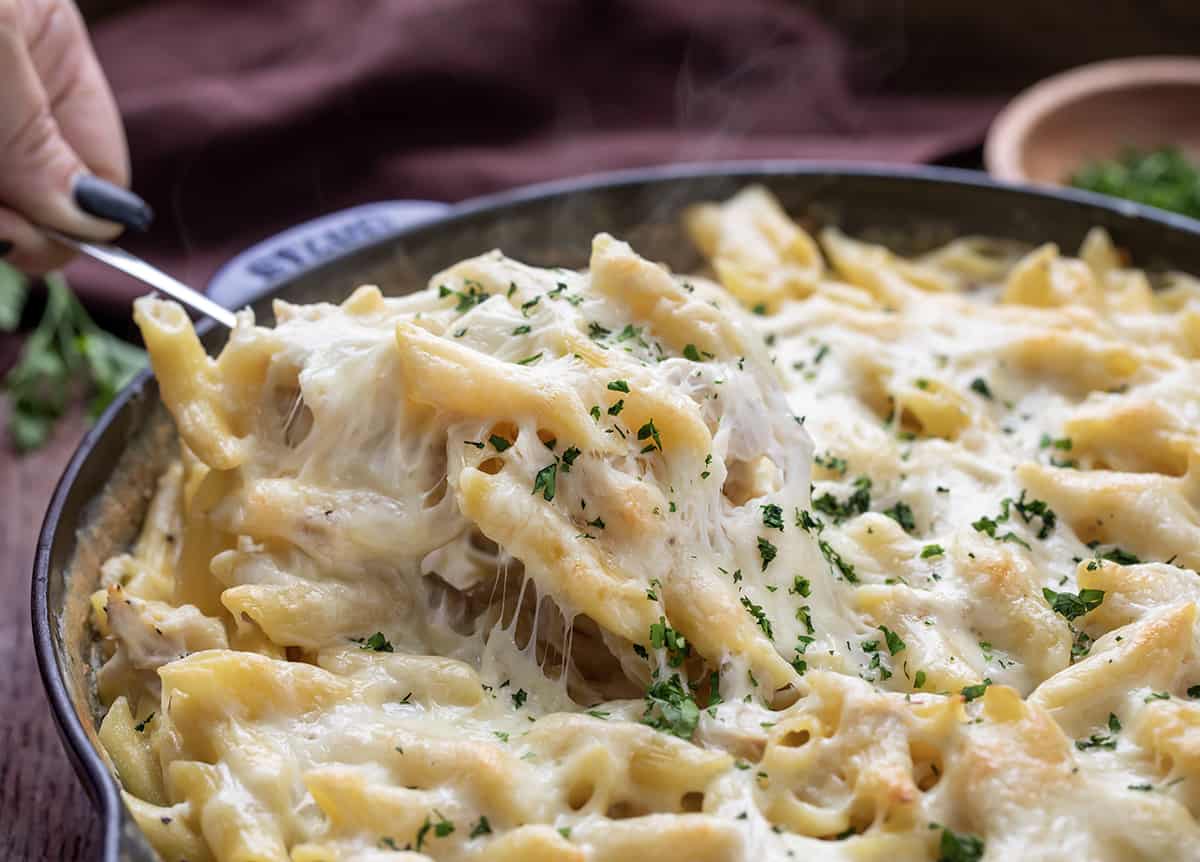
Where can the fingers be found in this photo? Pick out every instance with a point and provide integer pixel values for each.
(80, 99)
(27, 248)
(58, 127)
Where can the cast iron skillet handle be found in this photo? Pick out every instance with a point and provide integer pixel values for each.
(261, 267)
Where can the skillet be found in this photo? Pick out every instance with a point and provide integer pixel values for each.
(103, 494)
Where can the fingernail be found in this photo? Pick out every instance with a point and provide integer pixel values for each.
(102, 199)
(5, 247)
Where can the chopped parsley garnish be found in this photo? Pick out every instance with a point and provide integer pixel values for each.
(1063, 444)
(597, 522)
(798, 662)
(1071, 605)
(759, 308)
(671, 709)
(760, 617)
(596, 713)
(1193, 691)
(772, 517)
(1120, 557)
(525, 306)
(800, 587)
(846, 570)
(140, 727)
(568, 458)
(1081, 645)
(902, 514)
(468, 299)
(474, 443)
(545, 480)
(1107, 741)
(500, 735)
(704, 474)
(596, 331)
(690, 352)
(1157, 695)
(481, 828)
(919, 679)
(766, 551)
(616, 408)
(389, 842)
(807, 522)
(519, 697)
(932, 551)
(376, 642)
(959, 847)
(980, 386)
(831, 463)
(894, 643)
(648, 431)
(662, 635)
(857, 503)
(1036, 509)
(988, 525)
(529, 360)
(630, 331)
(521, 330)
(970, 692)
(595, 412)
(498, 443)
(441, 828)
(619, 386)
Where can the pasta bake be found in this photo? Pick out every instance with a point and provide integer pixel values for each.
(825, 553)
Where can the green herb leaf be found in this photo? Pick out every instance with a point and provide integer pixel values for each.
(376, 642)
(767, 552)
(1071, 605)
(772, 517)
(545, 480)
(980, 386)
(971, 692)
(670, 708)
(902, 514)
(959, 847)
(498, 443)
(894, 643)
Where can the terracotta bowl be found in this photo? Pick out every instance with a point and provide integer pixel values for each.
(1087, 114)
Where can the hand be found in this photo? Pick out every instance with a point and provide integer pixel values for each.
(63, 157)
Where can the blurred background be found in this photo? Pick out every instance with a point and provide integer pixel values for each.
(247, 117)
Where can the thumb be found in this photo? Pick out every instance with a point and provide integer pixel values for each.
(42, 178)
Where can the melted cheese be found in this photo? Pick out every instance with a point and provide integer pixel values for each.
(539, 564)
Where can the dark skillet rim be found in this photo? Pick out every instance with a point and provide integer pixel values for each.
(87, 761)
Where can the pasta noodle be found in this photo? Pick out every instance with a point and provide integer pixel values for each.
(838, 555)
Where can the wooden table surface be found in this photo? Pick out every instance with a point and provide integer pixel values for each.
(44, 813)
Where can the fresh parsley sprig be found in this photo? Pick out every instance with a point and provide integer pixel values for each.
(65, 354)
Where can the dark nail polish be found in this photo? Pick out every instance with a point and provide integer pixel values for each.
(102, 199)
(5, 247)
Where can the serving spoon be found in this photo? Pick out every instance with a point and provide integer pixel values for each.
(134, 266)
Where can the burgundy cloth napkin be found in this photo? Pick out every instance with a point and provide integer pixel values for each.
(247, 116)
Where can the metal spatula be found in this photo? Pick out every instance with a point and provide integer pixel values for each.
(133, 266)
